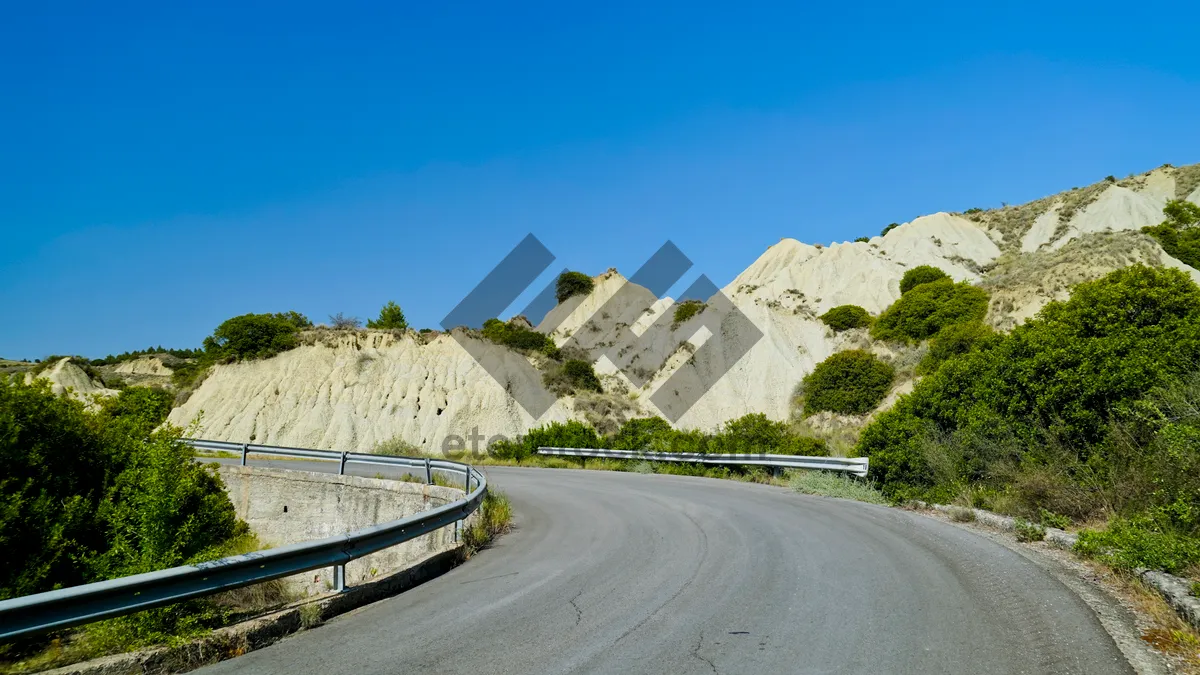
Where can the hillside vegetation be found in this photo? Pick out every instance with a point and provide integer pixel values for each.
(94, 494)
(1087, 411)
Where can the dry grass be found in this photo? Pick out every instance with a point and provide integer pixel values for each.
(1187, 179)
(1164, 629)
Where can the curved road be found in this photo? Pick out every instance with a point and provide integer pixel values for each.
(628, 573)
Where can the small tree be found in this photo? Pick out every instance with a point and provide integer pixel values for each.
(572, 283)
(1178, 234)
(251, 336)
(889, 228)
(340, 321)
(391, 317)
(920, 275)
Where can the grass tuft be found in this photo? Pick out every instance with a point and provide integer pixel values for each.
(827, 484)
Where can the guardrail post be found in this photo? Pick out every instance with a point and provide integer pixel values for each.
(468, 479)
(245, 451)
(342, 466)
(428, 472)
(339, 578)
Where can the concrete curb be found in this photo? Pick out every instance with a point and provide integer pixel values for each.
(231, 641)
(1177, 591)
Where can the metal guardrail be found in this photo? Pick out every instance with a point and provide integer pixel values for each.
(67, 607)
(854, 465)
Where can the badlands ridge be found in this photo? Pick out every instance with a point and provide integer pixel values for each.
(352, 389)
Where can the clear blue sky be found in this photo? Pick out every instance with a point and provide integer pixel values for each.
(162, 169)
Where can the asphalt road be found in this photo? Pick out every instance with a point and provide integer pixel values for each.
(627, 573)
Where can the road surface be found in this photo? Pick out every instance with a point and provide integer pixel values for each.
(628, 573)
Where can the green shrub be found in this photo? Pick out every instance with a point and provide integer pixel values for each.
(756, 434)
(850, 382)
(150, 405)
(90, 496)
(571, 284)
(391, 317)
(1051, 519)
(1178, 234)
(862, 240)
(1027, 531)
(1046, 396)
(519, 337)
(571, 434)
(956, 340)
(639, 433)
(845, 317)
(253, 336)
(928, 308)
(686, 310)
(889, 228)
(923, 274)
(1130, 543)
(581, 375)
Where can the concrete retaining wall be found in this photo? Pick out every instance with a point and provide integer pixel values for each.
(287, 507)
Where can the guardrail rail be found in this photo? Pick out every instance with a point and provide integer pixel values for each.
(67, 607)
(852, 465)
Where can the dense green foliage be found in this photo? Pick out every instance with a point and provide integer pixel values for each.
(928, 308)
(850, 382)
(129, 356)
(570, 284)
(889, 228)
(391, 317)
(572, 434)
(1178, 234)
(686, 310)
(1088, 410)
(955, 340)
(581, 375)
(88, 496)
(753, 433)
(845, 317)
(862, 240)
(517, 336)
(254, 336)
(922, 274)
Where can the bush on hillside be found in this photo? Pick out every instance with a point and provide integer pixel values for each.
(90, 496)
(862, 240)
(1044, 395)
(340, 321)
(956, 340)
(845, 317)
(570, 284)
(1178, 234)
(928, 308)
(686, 310)
(572, 377)
(391, 317)
(889, 228)
(922, 274)
(850, 382)
(253, 336)
(518, 337)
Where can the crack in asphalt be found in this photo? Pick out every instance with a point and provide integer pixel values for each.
(696, 653)
(578, 611)
(684, 587)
